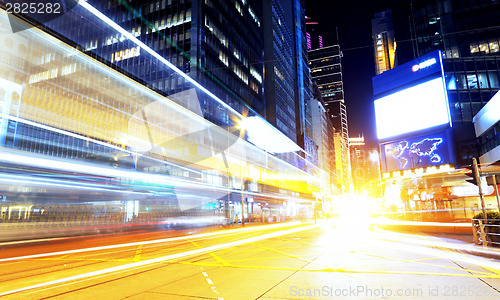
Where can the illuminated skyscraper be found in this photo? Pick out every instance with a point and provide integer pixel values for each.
(279, 67)
(326, 72)
(384, 43)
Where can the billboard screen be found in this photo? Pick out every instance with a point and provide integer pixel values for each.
(417, 152)
(416, 108)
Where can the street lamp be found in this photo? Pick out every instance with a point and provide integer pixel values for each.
(242, 127)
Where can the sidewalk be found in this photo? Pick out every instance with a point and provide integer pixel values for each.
(458, 236)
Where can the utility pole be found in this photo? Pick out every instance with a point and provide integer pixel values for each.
(477, 178)
(493, 180)
(496, 190)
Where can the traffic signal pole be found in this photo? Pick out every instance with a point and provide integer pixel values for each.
(493, 180)
(475, 172)
(496, 191)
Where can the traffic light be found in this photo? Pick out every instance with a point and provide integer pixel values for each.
(474, 174)
(473, 179)
(493, 179)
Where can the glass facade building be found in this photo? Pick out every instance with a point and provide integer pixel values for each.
(88, 137)
(218, 44)
(326, 72)
(279, 68)
(468, 35)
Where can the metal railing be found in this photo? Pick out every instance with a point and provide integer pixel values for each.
(486, 232)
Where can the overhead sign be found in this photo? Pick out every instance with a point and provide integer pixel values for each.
(411, 72)
(417, 152)
(424, 64)
(415, 108)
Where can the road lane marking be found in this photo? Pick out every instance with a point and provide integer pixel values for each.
(138, 254)
(290, 255)
(201, 235)
(220, 260)
(209, 281)
(164, 259)
(217, 258)
(345, 271)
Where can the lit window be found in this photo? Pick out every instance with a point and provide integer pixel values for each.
(128, 53)
(474, 48)
(379, 48)
(278, 74)
(494, 46)
(238, 7)
(256, 74)
(484, 48)
(223, 58)
(254, 16)
(472, 81)
(254, 87)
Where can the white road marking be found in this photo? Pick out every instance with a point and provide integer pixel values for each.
(163, 258)
(201, 235)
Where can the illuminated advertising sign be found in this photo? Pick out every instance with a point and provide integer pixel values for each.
(417, 152)
(416, 108)
(424, 64)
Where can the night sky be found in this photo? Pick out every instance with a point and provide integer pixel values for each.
(353, 20)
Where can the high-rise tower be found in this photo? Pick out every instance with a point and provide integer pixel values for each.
(326, 72)
(279, 67)
(383, 42)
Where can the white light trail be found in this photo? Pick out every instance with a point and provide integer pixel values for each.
(166, 240)
(163, 258)
(9, 156)
(87, 139)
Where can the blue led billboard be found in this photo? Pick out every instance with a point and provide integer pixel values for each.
(412, 109)
(412, 115)
(417, 152)
(405, 74)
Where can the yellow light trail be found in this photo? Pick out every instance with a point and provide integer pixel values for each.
(162, 259)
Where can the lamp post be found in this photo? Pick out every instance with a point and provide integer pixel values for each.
(242, 199)
(241, 126)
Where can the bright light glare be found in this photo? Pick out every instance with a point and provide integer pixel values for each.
(266, 137)
(355, 213)
(415, 108)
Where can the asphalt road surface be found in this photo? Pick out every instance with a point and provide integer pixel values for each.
(280, 261)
